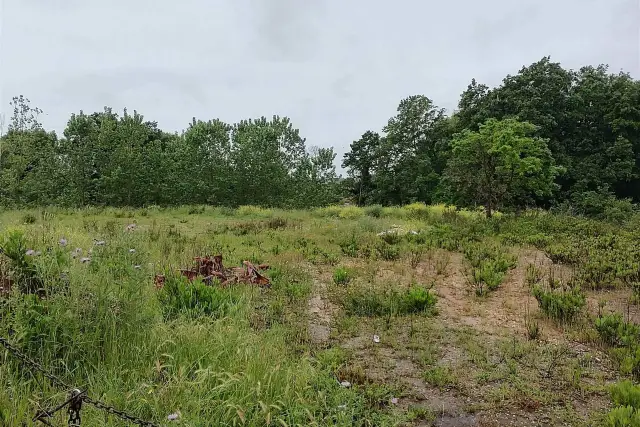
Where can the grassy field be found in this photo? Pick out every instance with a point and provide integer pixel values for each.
(411, 316)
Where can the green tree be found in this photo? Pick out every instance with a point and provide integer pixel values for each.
(359, 162)
(408, 157)
(500, 165)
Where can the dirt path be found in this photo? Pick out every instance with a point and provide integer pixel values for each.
(320, 311)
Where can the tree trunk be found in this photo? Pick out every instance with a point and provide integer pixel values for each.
(488, 210)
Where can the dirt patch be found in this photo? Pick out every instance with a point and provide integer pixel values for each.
(503, 311)
(615, 300)
(321, 312)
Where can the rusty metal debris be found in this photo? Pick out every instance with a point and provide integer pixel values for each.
(211, 269)
(159, 281)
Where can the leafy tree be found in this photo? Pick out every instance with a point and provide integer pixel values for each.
(500, 165)
(359, 163)
(25, 117)
(407, 158)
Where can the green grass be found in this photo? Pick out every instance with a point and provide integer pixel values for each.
(242, 355)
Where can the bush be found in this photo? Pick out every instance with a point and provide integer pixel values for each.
(28, 218)
(417, 211)
(560, 304)
(626, 396)
(249, 210)
(350, 246)
(387, 252)
(23, 270)
(341, 276)
(196, 210)
(351, 212)
(392, 236)
(602, 205)
(417, 300)
(374, 211)
(489, 265)
(614, 331)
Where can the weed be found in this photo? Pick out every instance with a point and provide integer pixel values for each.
(387, 252)
(341, 276)
(532, 275)
(533, 328)
(562, 304)
(416, 299)
(441, 376)
(374, 211)
(417, 211)
(415, 255)
(392, 237)
(350, 246)
(29, 218)
(614, 331)
(179, 297)
(442, 262)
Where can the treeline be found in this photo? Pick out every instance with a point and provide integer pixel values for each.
(122, 160)
(585, 128)
(545, 137)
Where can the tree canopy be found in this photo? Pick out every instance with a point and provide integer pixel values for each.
(536, 123)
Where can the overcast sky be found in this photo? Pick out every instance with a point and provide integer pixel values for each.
(336, 67)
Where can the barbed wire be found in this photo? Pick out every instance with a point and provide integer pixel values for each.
(76, 395)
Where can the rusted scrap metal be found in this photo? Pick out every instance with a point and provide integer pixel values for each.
(211, 268)
(159, 281)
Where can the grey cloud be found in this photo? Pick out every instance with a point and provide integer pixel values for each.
(337, 68)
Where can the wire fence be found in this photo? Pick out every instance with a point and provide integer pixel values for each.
(76, 398)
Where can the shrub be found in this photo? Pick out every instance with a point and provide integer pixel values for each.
(350, 246)
(417, 299)
(250, 210)
(374, 211)
(563, 253)
(489, 265)
(560, 304)
(329, 211)
(417, 211)
(623, 416)
(533, 328)
(28, 218)
(24, 272)
(614, 331)
(341, 276)
(351, 212)
(602, 205)
(626, 396)
(196, 210)
(387, 252)
(392, 236)
(625, 393)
